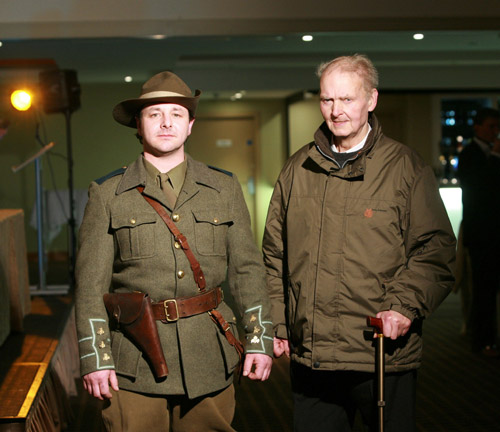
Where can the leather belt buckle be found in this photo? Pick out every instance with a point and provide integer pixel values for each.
(167, 315)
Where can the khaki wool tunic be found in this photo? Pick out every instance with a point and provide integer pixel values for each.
(125, 246)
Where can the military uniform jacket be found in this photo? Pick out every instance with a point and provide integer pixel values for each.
(125, 246)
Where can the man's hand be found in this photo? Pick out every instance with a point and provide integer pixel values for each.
(262, 363)
(97, 383)
(280, 347)
(394, 324)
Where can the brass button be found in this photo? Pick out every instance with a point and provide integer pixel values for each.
(102, 345)
(180, 274)
(133, 221)
(175, 217)
(106, 357)
(100, 332)
(177, 245)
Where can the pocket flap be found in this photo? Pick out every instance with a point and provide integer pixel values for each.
(132, 220)
(213, 217)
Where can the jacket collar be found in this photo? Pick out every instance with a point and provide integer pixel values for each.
(135, 175)
(321, 152)
(197, 174)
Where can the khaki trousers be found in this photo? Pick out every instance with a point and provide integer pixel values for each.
(130, 412)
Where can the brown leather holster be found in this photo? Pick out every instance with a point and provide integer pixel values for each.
(133, 313)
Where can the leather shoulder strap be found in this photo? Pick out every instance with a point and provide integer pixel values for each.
(179, 238)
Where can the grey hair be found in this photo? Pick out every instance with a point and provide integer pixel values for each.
(357, 63)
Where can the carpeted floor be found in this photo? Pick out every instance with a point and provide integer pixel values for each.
(457, 391)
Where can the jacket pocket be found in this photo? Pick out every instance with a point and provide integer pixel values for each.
(125, 355)
(134, 235)
(210, 227)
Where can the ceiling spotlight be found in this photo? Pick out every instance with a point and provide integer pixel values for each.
(418, 36)
(128, 78)
(1, 43)
(307, 38)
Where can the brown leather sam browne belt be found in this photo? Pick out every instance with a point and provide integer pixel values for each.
(171, 310)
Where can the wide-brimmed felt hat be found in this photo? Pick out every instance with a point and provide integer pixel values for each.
(165, 87)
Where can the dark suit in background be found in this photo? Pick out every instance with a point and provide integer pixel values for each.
(479, 173)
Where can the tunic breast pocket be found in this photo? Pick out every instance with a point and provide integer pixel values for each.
(134, 234)
(210, 228)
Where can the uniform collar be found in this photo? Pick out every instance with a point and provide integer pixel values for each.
(135, 175)
(197, 174)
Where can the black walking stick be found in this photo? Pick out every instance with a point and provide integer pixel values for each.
(376, 323)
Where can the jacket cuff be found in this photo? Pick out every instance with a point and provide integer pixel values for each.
(280, 331)
(408, 312)
(95, 349)
(259, 337)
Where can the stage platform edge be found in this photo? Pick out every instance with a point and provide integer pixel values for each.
(39, 368)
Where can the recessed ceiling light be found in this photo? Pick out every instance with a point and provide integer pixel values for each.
(1, 43)
(158, 37)
(307, 38)
(418, 36)
(128, 78)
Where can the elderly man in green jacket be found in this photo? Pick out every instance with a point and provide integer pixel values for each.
(167, 362)
(355, 228)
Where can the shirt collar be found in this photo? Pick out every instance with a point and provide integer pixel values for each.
(176, 175)
(356, 147)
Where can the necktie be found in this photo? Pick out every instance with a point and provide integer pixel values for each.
(167, 189)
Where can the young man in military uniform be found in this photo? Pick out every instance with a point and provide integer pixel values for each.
(126, 247)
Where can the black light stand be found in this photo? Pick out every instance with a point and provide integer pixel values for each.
(71, 219)
(61, 94)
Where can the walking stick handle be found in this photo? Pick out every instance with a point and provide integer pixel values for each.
(376, 323)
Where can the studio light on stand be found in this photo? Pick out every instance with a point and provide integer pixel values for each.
(21, 100)
(59, 92)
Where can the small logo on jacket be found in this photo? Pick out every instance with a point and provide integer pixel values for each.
(368, 213)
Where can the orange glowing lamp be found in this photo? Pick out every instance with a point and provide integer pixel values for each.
(21, 100)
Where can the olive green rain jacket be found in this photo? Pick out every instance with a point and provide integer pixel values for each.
(126, 246)
(344, 243)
